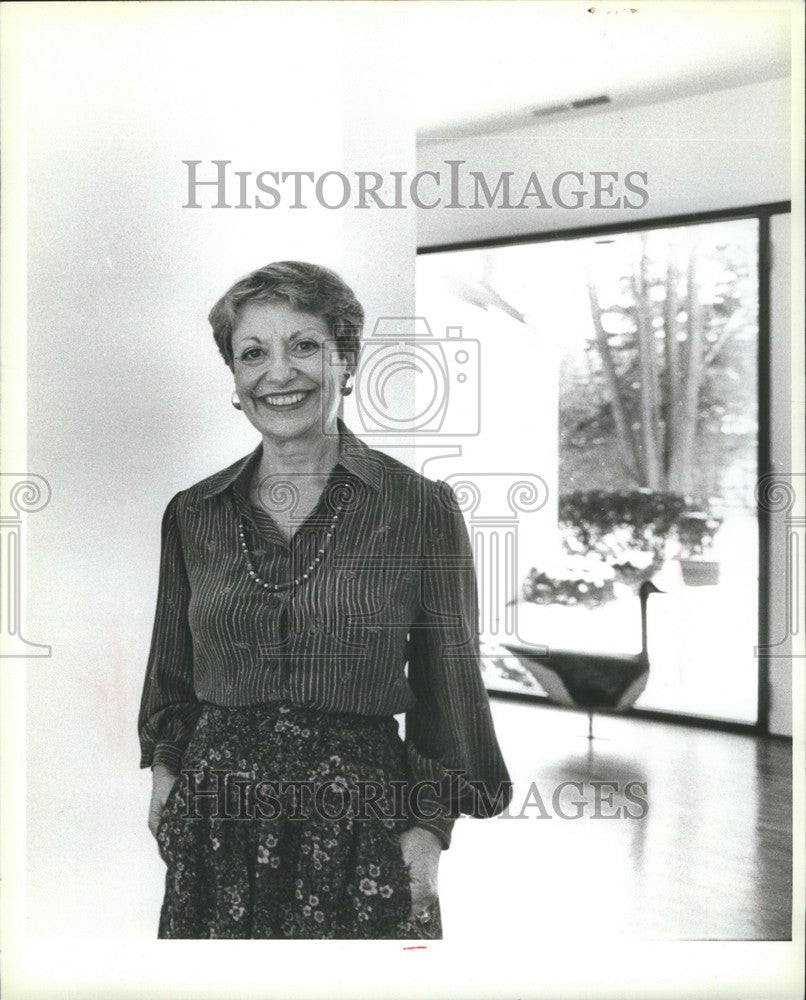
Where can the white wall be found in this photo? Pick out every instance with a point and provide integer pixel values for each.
(717, 150)
(128, 400)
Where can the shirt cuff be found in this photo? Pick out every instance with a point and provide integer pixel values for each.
(442, 828)
(163, 753)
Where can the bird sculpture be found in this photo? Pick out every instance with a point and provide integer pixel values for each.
(590, 680)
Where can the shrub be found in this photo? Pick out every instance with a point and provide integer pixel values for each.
(629, 534)
(575, 580)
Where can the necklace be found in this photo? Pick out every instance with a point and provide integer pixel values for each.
(260, 582)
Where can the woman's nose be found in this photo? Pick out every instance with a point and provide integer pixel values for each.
(278, 369)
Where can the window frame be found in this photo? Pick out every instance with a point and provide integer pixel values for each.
(762, 213)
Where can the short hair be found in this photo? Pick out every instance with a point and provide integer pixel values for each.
(307, 287)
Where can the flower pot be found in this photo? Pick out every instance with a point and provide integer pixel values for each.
(700, 572)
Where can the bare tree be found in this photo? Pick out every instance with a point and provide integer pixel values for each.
(654, 374)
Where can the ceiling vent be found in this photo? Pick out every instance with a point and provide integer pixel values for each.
(556, 109)
(590, 102)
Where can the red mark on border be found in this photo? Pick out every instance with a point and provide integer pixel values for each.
(414, 947)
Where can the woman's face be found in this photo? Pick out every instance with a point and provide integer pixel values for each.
(285, 379)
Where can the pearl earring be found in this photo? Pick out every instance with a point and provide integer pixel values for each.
(235, 402)
(346, 389)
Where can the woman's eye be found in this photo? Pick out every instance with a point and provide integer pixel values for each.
(303, 348)
(252, 354)
(307, 346)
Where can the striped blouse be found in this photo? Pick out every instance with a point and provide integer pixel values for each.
(386, 622)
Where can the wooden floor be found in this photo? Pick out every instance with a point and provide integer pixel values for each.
(710, 859)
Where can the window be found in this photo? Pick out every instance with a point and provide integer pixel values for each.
(622, 370)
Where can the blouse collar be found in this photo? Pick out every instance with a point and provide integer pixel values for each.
(354, 456)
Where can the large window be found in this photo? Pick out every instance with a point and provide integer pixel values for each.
(622, 370)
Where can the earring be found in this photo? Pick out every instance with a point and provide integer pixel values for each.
(346, 389)
(235, 402)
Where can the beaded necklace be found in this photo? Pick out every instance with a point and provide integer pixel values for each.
(260, 582)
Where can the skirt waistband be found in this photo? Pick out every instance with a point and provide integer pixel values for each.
(301, 714)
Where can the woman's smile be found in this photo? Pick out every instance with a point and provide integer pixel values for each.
(284, 400)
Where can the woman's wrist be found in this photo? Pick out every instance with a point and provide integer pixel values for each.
(160, 770)
(439, 827)
(429, 840)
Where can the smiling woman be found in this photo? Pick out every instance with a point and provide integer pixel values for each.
(309, 593)
(278, 366)
(290, 335)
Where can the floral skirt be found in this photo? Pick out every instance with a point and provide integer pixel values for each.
(285, 823)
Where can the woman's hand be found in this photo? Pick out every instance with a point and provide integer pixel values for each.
(421, 851)
(163, 781)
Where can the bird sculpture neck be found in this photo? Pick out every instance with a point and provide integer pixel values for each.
(644, 592)
(644, 639)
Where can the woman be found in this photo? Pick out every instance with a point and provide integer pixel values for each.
(295, 586)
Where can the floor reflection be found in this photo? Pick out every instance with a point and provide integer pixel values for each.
(709, 857)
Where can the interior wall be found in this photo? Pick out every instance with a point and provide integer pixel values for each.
(712, 151)
(128, 399)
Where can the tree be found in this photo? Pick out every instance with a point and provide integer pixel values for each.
(666, 320)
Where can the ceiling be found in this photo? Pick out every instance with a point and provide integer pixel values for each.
(485, 67)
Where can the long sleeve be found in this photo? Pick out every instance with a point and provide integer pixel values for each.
(449, 734)
(169, 708)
